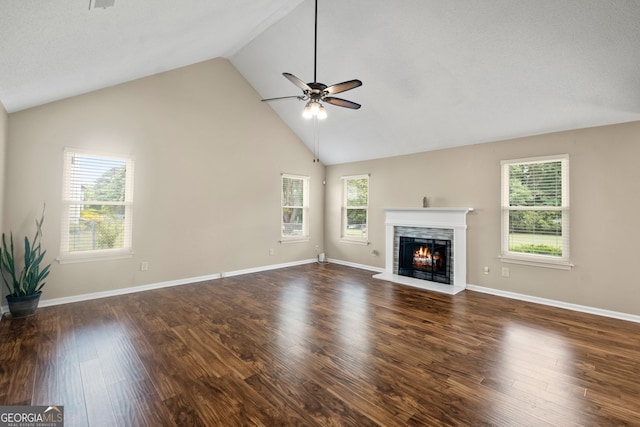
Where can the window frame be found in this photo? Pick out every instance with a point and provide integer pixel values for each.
(364, 240)
(306, 185)
(126, 251)
(539, 260)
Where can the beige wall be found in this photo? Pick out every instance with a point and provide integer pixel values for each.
(604, 191)
(208, 158)
(208, 161)
(4, 132)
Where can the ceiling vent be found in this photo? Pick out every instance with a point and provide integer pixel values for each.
(103, 4)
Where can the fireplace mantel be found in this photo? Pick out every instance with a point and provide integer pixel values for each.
(446, 218)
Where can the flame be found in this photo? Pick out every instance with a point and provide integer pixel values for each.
(422, 252)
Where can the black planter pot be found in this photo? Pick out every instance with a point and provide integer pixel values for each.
(23, 306)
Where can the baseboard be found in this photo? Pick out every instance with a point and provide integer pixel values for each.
(190, 280)
(142, 288)
(522, 297)
(354, 265)
(267, 268)
(555, 303)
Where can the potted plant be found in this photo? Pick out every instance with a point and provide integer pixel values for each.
(25, 286)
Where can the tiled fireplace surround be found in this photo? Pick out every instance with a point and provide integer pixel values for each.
(439, 223)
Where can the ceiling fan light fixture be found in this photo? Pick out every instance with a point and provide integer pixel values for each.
(306, 113)
(322, 113)
(314, 109)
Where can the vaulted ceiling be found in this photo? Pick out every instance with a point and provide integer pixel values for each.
(435, 74)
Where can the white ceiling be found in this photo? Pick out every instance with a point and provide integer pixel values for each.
(55, 49)
(436, 73)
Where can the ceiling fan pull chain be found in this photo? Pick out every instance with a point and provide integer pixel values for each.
(316, 140)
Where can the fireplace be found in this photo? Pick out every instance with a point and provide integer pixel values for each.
(426, 248)
(426, 259)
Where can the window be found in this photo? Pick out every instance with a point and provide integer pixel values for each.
(295, 207)
(535, 211)
(97, 206)
(355, 208)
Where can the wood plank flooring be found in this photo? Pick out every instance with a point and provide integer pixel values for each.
(321, 345)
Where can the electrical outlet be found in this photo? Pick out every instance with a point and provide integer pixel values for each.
(144, 266)
(271, 251)
(505, 271)
(486, 270)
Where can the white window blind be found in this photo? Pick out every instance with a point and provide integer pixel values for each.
(295, 207)
(355, 208)
(535, 209)
(97, 206)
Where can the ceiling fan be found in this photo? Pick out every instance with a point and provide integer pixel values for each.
(315, 93)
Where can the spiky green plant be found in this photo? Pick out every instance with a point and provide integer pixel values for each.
(30, 279)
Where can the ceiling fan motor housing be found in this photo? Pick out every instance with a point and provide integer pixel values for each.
(317, 90)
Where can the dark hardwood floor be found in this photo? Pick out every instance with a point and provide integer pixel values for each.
(321, 345)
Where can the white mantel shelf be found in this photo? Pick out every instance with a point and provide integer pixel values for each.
(450, 218)
(427, 216)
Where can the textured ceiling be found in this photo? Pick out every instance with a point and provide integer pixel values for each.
(436, 73)
(55, 49)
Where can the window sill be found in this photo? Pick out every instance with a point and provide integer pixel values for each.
(94, 256)
(300, 240)
(356, 242)
(535, 262)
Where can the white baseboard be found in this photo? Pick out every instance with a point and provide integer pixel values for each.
(189, 280)
(186, 281)
(522, 297)
(354, 265)
(555, 303)
(267, 268)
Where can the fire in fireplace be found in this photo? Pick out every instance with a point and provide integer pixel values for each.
(426, 259)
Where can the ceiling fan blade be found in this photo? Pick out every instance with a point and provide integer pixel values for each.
(344, 86)
(341, 102)
(280, 98)
(296, 81)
